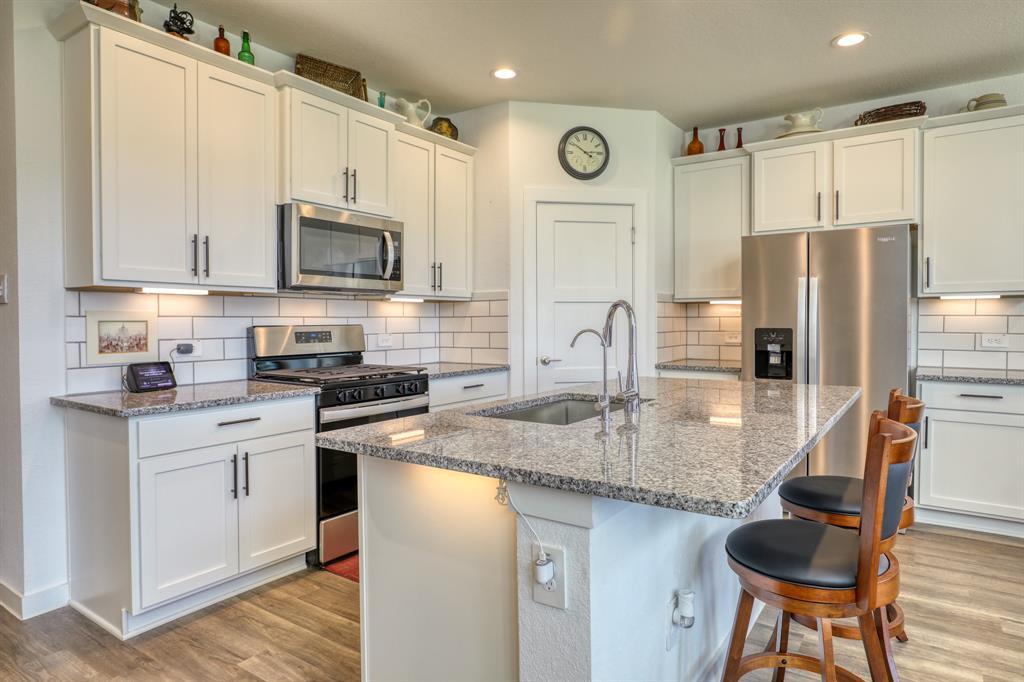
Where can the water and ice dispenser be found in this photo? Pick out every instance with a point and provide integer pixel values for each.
(773, 353)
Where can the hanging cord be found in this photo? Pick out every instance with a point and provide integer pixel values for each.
(504, 497)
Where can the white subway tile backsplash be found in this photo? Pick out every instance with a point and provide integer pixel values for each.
(1015, 325)
(734, 353)
(235, 349)
(456, 355)
(930, 323)
(702, 352)
(72, 358)
(375, 357)
(222, 327)
(489, 324)
(384, 309)
(430, 324)
(937, 306)
(192, 306)
(966, 359)
(445, 309)
(929, 358)
(108, 300)
(219, 370)
(74, 329)
(324, 320)
(303, 307)
(932, 341)
(456, 324)
(94, 379)
(173, 327)
(373, 342)
(500, 308)
(403, 357)
(473, 309)
(493, 356)
(371, 325)
(270, 321)
(499, 340)
(977, 323)
(430, 355)
(1000, 306)
(251, 306)
(346, 308)
(472, 340)
(403, 325)
(1015, 361)
(419, 309)
(702, 324)
(420, 340)
(71, 303)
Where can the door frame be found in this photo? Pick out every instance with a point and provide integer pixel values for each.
(523, 292)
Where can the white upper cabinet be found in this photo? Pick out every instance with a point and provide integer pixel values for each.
(874, 178)
(147, 151)
(337, 156)
(414, 207)
(790, 187)
(370, 161)
(319, 150)
(973, 230)
(712, 213)
(170, 168)
(237, 216)
(453, 223)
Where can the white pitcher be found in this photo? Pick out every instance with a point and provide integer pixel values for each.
(410, 109)
(805, 119)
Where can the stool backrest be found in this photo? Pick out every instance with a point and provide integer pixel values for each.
(890, 452)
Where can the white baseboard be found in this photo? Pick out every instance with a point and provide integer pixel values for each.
(25, 606)
(981, 524)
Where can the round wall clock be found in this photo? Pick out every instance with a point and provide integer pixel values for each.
(583, 153)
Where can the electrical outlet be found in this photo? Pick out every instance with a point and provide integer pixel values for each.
(385, 341)
(732, 337)
(197, 349)
(995, 341)
(555, 596)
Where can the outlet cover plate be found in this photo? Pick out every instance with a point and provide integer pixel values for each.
(557, 598)
(385, 341)
(995, 341)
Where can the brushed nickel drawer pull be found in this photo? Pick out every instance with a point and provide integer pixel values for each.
(981, 395)
(239, 421)
(464, 388)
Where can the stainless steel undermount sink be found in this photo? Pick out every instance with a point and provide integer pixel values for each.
(559, 412)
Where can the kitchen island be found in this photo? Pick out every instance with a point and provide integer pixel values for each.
(634, 516)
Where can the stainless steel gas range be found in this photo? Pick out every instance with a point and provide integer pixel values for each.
(351, 393)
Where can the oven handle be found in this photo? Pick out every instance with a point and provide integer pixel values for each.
(391, 254)
(337, 414)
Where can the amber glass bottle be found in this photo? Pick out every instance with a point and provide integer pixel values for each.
(220, 43)
(695, 146)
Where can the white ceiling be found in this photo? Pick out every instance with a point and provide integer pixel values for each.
(698, 62)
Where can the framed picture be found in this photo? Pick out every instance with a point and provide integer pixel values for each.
(115, 337)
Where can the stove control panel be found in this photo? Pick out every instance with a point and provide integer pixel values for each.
(398, 387)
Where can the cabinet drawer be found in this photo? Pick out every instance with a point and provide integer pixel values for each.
(202, 428)
(974, 397)
(471, 388)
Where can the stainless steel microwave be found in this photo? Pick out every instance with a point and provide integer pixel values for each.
(327, 249)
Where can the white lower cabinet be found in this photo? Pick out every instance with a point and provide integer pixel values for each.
(188, 522)
(971, 462)
(697, 374)
(463, 390)
(158, 532)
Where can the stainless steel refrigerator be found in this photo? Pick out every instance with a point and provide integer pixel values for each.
(830, 307)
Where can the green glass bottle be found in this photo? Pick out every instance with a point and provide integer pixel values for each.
(245, 54)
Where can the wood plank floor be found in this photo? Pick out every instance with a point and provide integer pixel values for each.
(963, 594)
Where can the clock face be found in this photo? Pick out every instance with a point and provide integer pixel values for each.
(583, 153)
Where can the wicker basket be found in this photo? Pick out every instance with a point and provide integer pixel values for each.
(892, 112)
(340, 78)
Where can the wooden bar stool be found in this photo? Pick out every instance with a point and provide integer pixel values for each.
(836, 500)
(804, 568)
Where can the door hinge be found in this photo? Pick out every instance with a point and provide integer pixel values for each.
(632, 234)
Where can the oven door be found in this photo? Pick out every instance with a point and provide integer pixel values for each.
(336, 471)
(327, 249)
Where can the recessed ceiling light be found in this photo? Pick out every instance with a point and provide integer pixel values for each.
(504, 73)
(850, 38)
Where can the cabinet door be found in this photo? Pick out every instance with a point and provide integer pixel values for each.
(874, 178)
(370, 163)
(277, 498)
(453, 222)
(319, 150)
(712, 213)
(973, 230)
(188, 522)
(237, 211)
(791, 187)
(147, 145)
(414, 207)
(973, 462)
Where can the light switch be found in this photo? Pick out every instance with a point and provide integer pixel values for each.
(385, 341)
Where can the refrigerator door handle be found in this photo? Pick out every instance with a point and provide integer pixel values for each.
(801, 330)
(813, 342)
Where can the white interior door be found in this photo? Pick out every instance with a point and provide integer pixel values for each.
(584, 263)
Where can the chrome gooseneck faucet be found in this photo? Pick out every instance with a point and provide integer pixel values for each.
(604, 401)
(631, 392)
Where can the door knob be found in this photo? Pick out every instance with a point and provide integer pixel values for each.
(545, 360)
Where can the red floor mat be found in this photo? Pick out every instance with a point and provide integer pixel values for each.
(347, 567)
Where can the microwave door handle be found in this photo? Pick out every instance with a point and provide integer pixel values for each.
(390, 244)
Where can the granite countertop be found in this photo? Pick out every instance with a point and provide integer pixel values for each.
(711, 447)
(1008, 377)
(442, 370)
(701, 366)
(181, 399)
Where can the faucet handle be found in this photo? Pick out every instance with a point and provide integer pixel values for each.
(619, 373)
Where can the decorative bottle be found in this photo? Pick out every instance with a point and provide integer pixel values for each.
(220, 43)
(246, 55)
(739, 138)
(695, 146)
(721, 139)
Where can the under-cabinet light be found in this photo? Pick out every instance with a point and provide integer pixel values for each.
(965, 297)
(170, 290)
(726, 301)
(405, 299)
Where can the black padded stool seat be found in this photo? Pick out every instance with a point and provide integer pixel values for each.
(838, 494)
(800, 552)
